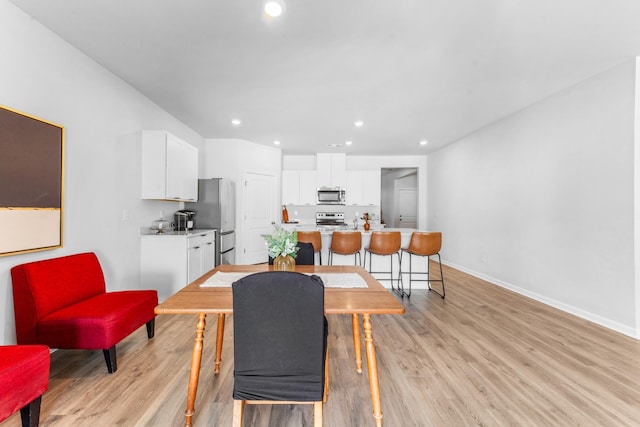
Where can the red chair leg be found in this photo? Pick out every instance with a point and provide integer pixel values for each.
(30, 414)
(110, 358)
(151, 326)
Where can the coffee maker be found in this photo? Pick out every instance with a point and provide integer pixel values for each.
(184, 219)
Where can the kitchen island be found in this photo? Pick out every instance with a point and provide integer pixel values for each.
(378, 263)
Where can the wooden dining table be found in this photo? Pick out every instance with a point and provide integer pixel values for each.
(200, 298)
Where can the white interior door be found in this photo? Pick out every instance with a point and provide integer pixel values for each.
(407, 208)
(259, 215)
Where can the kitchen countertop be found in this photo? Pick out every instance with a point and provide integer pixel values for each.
(146, 231)
(329, 230)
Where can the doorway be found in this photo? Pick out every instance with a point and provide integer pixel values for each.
(259, 215)
(399, 197)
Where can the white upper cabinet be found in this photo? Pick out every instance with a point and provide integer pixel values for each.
(332, 169)
(189, 172)
(290, 187)
(363, 188)
(371, 188)
(169, 167)
(308, 187)
(299, 187)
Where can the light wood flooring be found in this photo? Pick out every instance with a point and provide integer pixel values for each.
(483, 357)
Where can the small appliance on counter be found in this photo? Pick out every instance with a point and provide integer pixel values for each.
(184, 219)
(160, 226)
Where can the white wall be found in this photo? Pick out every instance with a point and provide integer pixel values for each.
(232, 158)
(636, 198)
(44, 76)
(542, 202)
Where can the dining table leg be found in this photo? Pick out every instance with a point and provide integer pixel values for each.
(356, 341)
(372, 368)
(194, 375)
(219, 337)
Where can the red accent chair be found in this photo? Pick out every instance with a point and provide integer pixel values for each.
(63, 303)
(24, 376)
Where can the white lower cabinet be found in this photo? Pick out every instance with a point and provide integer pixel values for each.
(170, 262)
(201, 255)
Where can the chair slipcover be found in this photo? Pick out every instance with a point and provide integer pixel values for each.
(280, 337)
(305, 254)
(313, 237)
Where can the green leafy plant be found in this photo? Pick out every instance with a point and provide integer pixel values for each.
(282, 242)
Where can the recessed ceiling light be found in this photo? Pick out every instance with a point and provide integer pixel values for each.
(334, 145)
(236, 122)
(273, 9)
(276, 142)
(349, 142)
(358, 123)
(424, 142)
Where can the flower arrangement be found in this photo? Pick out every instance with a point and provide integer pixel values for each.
(366, 216)
(282, 242)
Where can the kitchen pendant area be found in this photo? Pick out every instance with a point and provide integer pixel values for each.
(388, 189)
(309, 181)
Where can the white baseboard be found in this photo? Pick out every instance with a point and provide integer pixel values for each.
(602, 321)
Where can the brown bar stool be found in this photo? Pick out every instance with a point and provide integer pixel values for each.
(425, 244)
(313, 237)
(384, 243)
(346, 243)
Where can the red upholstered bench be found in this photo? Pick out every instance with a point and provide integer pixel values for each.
(63, 303)
(24, 376)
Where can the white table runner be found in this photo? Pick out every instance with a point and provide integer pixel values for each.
(330, 280)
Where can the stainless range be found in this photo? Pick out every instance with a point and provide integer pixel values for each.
(330, 220)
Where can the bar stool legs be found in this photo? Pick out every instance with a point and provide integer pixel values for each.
(390, 272)
(428, 273)
(385, 243)
(357, 260)
(424, 244)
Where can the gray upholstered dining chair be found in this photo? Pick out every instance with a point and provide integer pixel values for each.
(313, 237)
(280, 341)
(305, 255)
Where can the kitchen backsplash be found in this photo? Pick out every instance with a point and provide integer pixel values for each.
(306, 214)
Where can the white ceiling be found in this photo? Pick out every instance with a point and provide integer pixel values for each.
(410, 69)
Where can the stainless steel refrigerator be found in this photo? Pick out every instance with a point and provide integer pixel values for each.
(216, 208)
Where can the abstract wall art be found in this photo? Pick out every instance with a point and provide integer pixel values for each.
(31, 183)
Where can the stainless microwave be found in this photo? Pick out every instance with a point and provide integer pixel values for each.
(331, 196)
